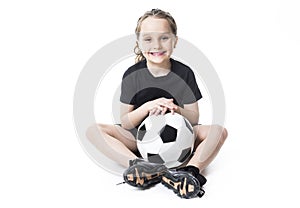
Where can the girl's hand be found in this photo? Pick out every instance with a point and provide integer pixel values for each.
(160, 106)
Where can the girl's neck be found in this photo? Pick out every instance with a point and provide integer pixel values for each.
(161, 69)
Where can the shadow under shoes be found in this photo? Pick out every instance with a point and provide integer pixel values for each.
(186, 182)
(143, 174)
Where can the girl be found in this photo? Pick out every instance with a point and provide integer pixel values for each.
(157, 84)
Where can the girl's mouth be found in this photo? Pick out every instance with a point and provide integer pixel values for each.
(157, 53)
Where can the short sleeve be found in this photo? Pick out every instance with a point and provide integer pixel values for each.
(192, 93)
(128, 90)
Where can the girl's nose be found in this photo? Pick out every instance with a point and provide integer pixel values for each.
(156, 44)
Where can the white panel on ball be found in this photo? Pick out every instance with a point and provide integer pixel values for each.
(167, 139)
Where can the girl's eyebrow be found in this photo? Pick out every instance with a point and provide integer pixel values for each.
(145, 34)
(150, 33)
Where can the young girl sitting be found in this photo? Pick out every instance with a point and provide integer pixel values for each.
(152, 87)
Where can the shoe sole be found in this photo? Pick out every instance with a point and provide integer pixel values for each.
(182, 183)
(142, 176)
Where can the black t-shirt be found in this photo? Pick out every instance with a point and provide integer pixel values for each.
(140, 86)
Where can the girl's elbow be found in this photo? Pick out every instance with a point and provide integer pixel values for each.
(125, 124)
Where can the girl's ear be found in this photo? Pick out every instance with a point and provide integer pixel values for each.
(175, 42)
(137, 49)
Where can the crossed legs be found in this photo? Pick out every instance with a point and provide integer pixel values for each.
(119, 144)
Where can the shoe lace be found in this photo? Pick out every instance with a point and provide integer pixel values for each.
(120, 183)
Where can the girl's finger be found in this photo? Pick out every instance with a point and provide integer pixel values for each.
(157, 112)
(151, 112)
(167, 105)
(164, 111)
(172, 112)
(159, 107)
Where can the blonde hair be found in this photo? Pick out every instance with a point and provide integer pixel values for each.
(153, 13)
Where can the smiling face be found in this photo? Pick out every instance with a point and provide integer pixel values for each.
(156, 41)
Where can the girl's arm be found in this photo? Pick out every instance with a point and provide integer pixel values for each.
(131, 118)
(190, 111)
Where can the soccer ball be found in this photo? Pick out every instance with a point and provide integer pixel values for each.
(166, 139)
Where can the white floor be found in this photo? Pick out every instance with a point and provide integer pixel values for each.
(235, 179)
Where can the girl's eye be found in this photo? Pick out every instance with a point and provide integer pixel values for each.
(165, 38)
(147, 39)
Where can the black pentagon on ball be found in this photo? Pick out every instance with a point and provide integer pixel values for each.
(168, 134)
(184, 154)
(155, 158)
(141, 132)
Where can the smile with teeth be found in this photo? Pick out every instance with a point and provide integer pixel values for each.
(157, 53)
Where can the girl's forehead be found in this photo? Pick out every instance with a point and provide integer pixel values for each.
(155, 25)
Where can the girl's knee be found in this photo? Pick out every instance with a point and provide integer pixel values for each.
(222, 131)
(225, 133)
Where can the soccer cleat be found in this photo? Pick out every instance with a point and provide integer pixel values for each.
(143, 174)
(185, 182)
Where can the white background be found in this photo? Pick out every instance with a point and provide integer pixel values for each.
(253, 46)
